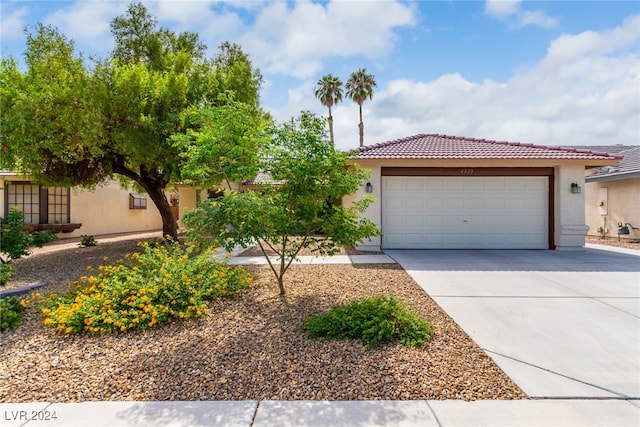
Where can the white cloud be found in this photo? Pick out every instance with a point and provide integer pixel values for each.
(12, 22)
(586, 91)
(87, 23)
(538, 18)
(511, 12)
(293, 39)
(501, 8)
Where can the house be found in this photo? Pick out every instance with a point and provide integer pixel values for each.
(449, 192)
(612, 197)
(107, 209)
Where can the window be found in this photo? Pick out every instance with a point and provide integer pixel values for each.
(137, 201)
(40, 205)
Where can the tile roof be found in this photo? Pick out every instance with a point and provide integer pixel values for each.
(433, 146)
(628, 167)
(262, 178)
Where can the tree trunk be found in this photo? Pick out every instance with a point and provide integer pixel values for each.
(169, 226)
(361, 126)
(281, 285)
(331, 127)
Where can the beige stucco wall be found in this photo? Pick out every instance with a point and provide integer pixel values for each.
(104, 210)
(569, 214)
(608, 203)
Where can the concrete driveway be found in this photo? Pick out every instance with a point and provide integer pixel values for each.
(560, 324)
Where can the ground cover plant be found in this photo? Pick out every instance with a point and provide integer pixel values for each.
(374, 320)
(155, 286)
(11, 310)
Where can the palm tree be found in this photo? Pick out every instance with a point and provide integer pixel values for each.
(360, 87)
(329, 92)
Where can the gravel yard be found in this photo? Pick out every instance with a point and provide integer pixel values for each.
(245, 348)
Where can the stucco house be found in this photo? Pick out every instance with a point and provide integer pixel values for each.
(449, 192)
(73, 211)
(612, 197)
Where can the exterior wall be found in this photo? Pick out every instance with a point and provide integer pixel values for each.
(608, 203)
(569, 222)
(104, 210)
(569, 213)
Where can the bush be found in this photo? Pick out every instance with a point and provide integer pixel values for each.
(87, 240)
(15, 239)
(6, 273)
(373, 320)
(10, 312)
(155, 286)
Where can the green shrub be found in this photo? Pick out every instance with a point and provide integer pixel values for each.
(155, 286)
(6, 273)
(10, 312)
(87, 240)
(374, 320)
(39, 238)
(15, 239)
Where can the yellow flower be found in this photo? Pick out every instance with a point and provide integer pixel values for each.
(68, 330)
(48, 321)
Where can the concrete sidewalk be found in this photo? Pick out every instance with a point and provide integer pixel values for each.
(302, 260)
(416, 413)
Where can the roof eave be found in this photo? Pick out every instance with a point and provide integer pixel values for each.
(613, 176)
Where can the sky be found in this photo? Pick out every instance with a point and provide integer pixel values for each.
(552, 73)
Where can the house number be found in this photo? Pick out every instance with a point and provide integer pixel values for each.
(466, 171)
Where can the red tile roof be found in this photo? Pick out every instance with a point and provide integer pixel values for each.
(435, 146)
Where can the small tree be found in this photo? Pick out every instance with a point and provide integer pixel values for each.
(298, 213)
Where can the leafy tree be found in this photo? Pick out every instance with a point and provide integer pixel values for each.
(360, 87)
(329, 92)
(297, 213)
(69, 123)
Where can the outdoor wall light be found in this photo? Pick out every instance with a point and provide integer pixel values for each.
(575, 188)
(369, 187)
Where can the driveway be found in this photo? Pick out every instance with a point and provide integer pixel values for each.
(560, 324)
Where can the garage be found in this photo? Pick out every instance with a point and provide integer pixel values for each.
(459, 212)
(432, 191)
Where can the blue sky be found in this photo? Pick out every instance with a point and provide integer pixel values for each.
(553, 73)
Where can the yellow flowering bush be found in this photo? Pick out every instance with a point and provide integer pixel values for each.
(155, 286)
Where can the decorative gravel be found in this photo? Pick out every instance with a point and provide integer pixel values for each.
(245, 348)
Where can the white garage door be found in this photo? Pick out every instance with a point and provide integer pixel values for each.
(465, 212)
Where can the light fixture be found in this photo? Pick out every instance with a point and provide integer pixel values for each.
(369, 187)
(575, 188)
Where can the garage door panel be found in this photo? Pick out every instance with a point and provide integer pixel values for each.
(415, 184)
(416, 203)
(476, 203)
(465, 212)
(454, 203)
(415, 221)
(474, 184)
(434, 202)
(454, 184)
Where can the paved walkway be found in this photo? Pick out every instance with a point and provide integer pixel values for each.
(418, 413)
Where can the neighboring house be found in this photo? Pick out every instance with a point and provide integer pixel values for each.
(447, 192)
(612, 197)
(106, 210)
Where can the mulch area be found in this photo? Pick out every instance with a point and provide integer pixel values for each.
(245, 348)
